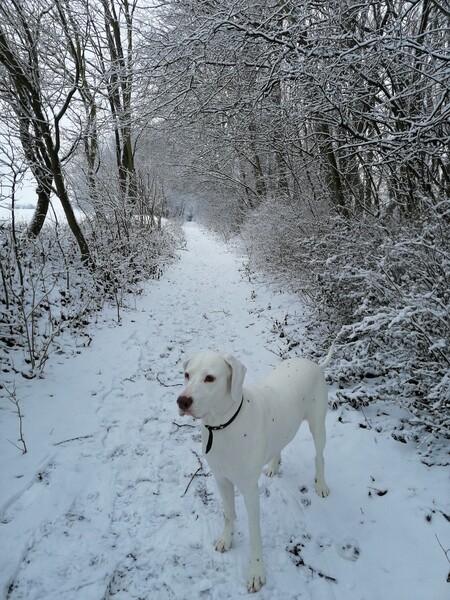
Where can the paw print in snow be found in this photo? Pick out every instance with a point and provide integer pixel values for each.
(323, 541)
(349, 549)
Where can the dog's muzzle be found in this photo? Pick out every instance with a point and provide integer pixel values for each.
(184, 403)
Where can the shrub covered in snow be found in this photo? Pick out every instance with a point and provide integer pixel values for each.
(46, 290)
(384, 287)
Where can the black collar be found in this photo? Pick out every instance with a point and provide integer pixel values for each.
(212, 428)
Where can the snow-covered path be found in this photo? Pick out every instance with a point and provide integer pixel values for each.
(105, 505)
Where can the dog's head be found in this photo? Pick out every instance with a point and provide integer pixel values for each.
(213, 382)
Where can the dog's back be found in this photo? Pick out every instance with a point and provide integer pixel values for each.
(293, 391)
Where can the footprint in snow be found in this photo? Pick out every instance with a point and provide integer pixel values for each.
(27, 495)
(324, 541)
(305, 500)
(349, 549)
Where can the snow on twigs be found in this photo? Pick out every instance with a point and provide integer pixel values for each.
(383, 289)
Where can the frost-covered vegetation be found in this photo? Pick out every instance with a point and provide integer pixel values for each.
(319, 131)
(46, 292)
(381, 290)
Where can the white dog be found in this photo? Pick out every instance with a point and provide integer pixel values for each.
(246, 428)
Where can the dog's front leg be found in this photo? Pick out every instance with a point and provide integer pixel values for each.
(226, 490)
(256, 573)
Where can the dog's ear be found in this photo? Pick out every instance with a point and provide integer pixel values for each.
(185, 364)
(237, 376)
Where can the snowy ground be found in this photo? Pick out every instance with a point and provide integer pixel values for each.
(104, 505)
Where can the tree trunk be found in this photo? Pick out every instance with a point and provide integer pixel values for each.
(40, 213)
(333, 176)
(63, 196)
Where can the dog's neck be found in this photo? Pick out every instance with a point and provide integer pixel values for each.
(215, 418)
(224, 425)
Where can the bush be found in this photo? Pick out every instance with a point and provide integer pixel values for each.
(46, 290)
(383, 287)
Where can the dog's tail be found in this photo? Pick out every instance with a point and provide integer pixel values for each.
(327, 361)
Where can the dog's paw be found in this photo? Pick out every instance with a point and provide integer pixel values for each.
(273, 467)
(256, 577)
(223, 544)
(270, 472)
(322, 489)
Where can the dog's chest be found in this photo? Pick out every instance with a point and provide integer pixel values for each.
(236, 451)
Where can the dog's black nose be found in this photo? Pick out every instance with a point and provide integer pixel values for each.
(184, 402)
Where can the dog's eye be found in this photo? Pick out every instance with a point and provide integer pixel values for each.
(209, 379)
(186, 376)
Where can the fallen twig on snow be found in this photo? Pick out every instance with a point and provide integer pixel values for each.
(196, 474)
(182, 425)
(446, 553)
(80, 437)
(167, 384)
(294, 550)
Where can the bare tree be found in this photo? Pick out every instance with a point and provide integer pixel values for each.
(39, 87)
(112, 43)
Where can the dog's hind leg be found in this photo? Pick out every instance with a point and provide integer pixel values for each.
(317, 428)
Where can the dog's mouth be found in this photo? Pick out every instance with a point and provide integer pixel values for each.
(187, 413)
